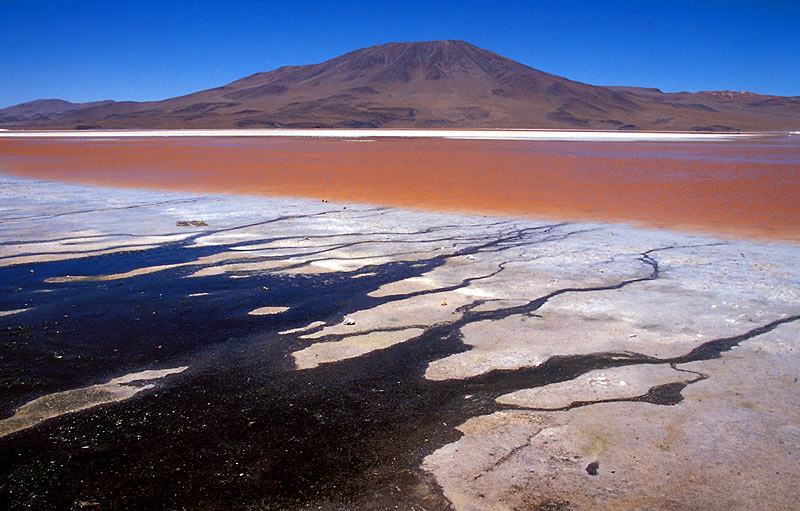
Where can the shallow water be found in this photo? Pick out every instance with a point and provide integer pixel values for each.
(745, 188)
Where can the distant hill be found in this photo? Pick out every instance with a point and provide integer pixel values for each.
(43, 109)
(435, 84)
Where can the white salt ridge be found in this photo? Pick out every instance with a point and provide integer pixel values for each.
(69, 401)
(264, 311)
(517, 134)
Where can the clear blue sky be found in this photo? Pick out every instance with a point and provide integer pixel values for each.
(85, 50)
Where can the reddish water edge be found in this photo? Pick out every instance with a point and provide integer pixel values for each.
(742, 189)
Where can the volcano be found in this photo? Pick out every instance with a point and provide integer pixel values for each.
(433, 84)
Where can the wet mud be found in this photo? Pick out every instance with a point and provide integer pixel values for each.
(241, 428)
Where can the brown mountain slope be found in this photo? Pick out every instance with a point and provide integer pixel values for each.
(449, 84)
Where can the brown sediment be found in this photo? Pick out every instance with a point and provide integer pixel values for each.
(743, 189)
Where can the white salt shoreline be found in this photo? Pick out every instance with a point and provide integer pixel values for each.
(516, 134)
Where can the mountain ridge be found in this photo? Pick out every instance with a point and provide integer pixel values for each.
(429, 84)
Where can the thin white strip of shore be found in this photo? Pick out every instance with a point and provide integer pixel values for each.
(516, 134)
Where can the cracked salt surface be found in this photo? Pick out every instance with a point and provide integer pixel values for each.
(665, 358)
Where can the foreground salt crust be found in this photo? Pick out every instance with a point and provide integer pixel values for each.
(516, 295)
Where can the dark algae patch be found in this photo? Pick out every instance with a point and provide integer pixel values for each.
(241, 429)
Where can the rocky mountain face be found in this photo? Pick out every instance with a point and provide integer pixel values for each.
(435, 84)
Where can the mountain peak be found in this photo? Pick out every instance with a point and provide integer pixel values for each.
(394, 64)
(430, 60)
